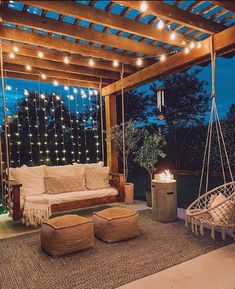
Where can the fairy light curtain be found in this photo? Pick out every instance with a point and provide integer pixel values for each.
(53, 128)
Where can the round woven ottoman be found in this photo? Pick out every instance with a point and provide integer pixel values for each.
(66, 234)
(116, 224)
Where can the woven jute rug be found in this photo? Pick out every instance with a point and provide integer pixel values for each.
(24, 266)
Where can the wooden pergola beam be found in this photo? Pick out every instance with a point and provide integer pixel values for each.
(177, 15)
(229, 5)
(58, 75)
(99, 68)
(25, 76)
(48, 41)
(105, 18)
(51, 65)
(223, 41)
(78, 32)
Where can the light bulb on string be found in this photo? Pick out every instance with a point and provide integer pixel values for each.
(8, 87)
(43, 76)
(115, 63)
(163, 57)
(160, 24)
(26, 93)
(42, 96)
(55, 83)
(199, 45)
(40, 54)
(12, 55)
(15, 49)
(96, 92)
(183, 42)
(57, 97)
(139, 62)
(192, 45)
(66, 87)
(66, 60)
(71, 97)
(186, 50)
(173, 36)
(28, 67)
(91, 62)
(75, 90)
(143, 6)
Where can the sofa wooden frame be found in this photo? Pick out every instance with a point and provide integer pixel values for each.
(116, 181)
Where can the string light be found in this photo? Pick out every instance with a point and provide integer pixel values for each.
(66, 87)
(163, 57)
(192, 45)
(199, 45)
(91, 62)
(12, 55)
(15, 49)
(43, 76)
(8, 87)
(28, 67)
(75, 90)
(143, 6)
(55, 83)
(139, 62)
(186, 50)
(26, 93)
(115, 63)
(173, 36)
(40, 54)
(57, 97)
(71, 97)
(18, 126)
(42, 96)
(183, 43)
(37, 126)
(66, 60)
(160, 24)
(62, 131)
(56, 139)
(77, 128)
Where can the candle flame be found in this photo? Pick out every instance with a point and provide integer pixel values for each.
(166, 176)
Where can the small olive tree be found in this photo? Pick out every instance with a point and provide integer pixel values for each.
(150, 151)
(132, 137)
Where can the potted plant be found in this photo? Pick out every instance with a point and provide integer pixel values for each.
(132, 137)
(147, 157)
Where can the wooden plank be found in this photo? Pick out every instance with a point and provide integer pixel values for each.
(62, 82)
(64, 45)
(111, 120)
(52, 73)
(69, 30)
(229, 5)
(177, 15)
(100, 67)
(105, 18)
(51, 65)
(223, 41)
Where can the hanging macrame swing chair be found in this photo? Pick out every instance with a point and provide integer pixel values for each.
(216, 208)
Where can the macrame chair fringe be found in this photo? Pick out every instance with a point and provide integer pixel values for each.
(201, 212)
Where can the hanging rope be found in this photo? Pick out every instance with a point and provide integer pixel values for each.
(214, 118)
(101, 120)
(123, 125)
(6, 129)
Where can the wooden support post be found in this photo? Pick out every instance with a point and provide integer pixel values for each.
(111, 120)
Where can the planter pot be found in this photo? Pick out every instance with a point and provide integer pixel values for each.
(129, 193)
(148, 195)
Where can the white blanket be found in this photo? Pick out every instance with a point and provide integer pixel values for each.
(37, 209)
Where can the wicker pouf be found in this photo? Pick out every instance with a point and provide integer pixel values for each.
(67, 234)
(116, 224)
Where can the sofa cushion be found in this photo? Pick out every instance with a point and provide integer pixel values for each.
(97, 177)
(62, 171)
(57, 185)
(31, 178)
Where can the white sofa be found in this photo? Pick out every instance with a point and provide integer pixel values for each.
(37, 192)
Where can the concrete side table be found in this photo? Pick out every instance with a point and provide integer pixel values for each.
(164, 201)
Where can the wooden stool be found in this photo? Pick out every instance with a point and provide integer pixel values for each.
(116, 224)
(67, 234)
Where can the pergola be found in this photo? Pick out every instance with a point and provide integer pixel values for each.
(148, 39)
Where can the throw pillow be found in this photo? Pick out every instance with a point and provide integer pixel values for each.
(97, 177)
(222, 213)
(58, 185)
